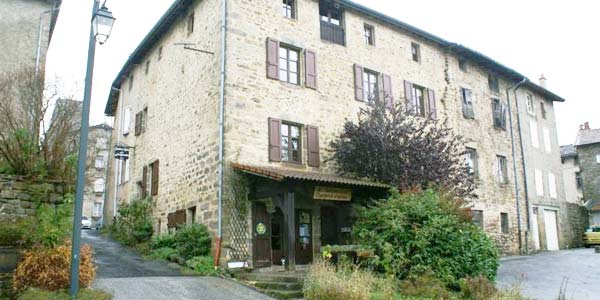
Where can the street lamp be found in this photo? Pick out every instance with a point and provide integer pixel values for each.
(102, 21)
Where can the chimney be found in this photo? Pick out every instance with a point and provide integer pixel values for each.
(585, 126)
(543, 81)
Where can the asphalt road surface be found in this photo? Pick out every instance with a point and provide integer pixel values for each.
(127, 276)
(540, 276)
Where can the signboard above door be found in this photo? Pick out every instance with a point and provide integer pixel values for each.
(332, 193)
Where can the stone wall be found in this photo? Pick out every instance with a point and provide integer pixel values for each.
(5, 285)
(18, 197)
(590, 171)
(574, 222)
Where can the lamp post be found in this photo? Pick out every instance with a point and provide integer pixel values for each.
(102, 21)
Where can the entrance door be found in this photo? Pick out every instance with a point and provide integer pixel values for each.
(277, 235)
(535, 229)
(329, 226)
(261, 234)
(551, 230)
(304, 244)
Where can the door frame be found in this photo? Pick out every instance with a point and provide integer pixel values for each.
(255, 237)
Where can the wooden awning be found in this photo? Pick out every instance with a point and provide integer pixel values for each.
(280, 174)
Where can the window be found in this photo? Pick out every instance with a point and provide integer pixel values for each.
(477, 216)
(530, 105)
(289, 9)
(467, 103)
(499, 114)
(598, 158)
(130, 82)
(534, 133)
(501, 170)
(126, 121)
(463, 65)
(416, 52)
(543, 110)
(97, 212)
(191, 213)
(290, 143)
(147, 68)
(99, 162)
(552, 185)
(493, 83)
(547, 142)
(126, 170)
(289, 65)
(332, 28)
(190, 24)
(160, 52)
(370, 85)
(101, 144)
(144, 123)
(418, 100)
(539, 183)
(369, 35)
(579, 179)
(99, 185)
(504, 222)
(471, 161)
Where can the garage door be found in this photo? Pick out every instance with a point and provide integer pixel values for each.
(551, 230)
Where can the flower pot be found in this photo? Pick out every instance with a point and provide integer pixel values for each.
(9, 257)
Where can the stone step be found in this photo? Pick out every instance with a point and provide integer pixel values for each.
(285, 286)
(283, 295)
(260, 277)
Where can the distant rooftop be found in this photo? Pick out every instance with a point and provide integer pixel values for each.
(567, 151)
(587, 136)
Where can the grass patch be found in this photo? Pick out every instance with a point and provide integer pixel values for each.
(84, 294)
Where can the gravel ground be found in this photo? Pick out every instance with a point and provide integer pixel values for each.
(540, 276)
(127, 276)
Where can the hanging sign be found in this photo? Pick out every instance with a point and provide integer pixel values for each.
(261, 228)
(332, 193)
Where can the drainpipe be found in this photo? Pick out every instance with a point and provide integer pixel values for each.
(221, 132)
(514, 155)
(114, 212)
(39, 40)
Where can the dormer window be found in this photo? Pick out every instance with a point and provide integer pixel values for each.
(332, 27)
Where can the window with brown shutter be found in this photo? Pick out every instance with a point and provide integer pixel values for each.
(272, 59)
(144, 181)
(138, 123)
(314, 159)
(387, 90)
(274, 139)
(310, 62)
(432, 104)
(154, 187)
(358, 83)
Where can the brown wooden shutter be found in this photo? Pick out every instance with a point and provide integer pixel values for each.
(432, 104)
(408, 97)
(358, 83)
(180, 217)
(314, 159)
(387, 90)
(138, 123)
(155, 178)
(272, 59)
(144, 181)
(274, 140)
(172, 220)
(310, 65)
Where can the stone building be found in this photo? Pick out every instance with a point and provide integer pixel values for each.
(588, 153)
(97, 172)
(290, 74)
(25, 27)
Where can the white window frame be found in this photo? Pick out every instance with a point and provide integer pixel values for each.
(501, 176)
(99, 185)
(547, 141)
(127, 170)
(598, 158)
(99, 162)
(530, 104)
(126, 126)
(97, 210)
(552, 185)
(119, 166)
(539, 182)
(533, 132)
(370, 85)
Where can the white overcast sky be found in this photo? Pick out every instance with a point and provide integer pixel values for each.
(560, 39)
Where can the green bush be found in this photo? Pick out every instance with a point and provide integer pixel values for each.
(134, 224)
(12, 232)
(163, 253)
(203, 265)
(84, 294)
(162, 241)
(193, 241)
(417, 233)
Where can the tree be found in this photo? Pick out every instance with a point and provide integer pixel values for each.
(389, 145)
(27, 147)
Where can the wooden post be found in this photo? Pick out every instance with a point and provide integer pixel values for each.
(290, 218)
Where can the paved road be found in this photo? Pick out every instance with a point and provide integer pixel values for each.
(541, 275)
(126, 275)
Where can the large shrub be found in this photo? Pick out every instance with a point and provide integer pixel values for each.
(162, 241)
(134, 224)
(51, 226)
(417, 233)
(203, 265)
(193, 241)
(49, 268)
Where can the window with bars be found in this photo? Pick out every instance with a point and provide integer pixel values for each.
(477, 216)
(289, 9)
(290, 143)
(369, 35)
(501, 169)
(289, 64)
(504, 226)
(370, 85)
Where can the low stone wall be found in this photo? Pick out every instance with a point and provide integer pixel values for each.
(19, 196)
(5, 285)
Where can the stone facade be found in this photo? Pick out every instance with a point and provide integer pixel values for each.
(19, 27)
(96, 174)
(179, 89)
(18, 196)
